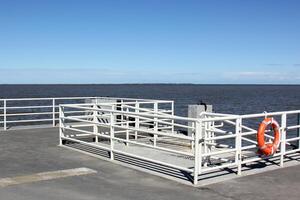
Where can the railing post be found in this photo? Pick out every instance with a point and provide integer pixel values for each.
(137, 120)
(95, 120)
(206, 135)
(112, 134)
(127, 130)
(238, 145)
(172, 113)
(4, 114)
(193, 124)
(53, 112)
(122, 109)
(298, 130)
(283, 138)
(197, 151)
(61, 124)
(155, 123)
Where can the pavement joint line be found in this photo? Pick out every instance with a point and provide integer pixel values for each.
(43, 176)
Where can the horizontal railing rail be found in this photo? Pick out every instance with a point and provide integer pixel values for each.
(27, 112)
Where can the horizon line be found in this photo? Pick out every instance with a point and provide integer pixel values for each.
(279, 84)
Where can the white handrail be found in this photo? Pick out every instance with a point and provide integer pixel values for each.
(124, 112)
(13, 109)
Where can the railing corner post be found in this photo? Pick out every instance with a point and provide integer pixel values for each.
(197, 151)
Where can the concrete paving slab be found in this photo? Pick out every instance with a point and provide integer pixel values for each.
(45, 176)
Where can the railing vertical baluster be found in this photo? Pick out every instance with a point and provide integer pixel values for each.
(193, 124)
(122, 109)
(61, 124)
(112, 133)
(53, 112)
(137, 120)
(206, 135)
(95, 120)
(127, 126)
(283, 138)
(4, 114)
(197, 151)
(155, 123)
(238, 145)
(172, 113)
(298, 130)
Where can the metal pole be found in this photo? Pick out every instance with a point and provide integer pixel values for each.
(61, 124)
(197, 151)
(4, 114)
(283, 137)
(95, 119)
(172, 113)
(112, 134)
(205, 134)
(127, 126)
(298, 130)
(238, 145)
(122, 109)
(137, 120)
(193, 136)
(53, 112)
(155, 123)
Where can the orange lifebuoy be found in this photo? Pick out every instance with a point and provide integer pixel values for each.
(268, 148)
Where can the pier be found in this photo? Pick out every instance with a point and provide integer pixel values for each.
(121, 140)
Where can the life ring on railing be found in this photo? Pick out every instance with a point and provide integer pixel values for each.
(268, 148)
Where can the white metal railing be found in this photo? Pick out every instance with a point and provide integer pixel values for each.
(21, 112)
(237, 133)
(219, 141)
(131, 125)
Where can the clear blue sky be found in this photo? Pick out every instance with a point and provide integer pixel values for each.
(165, 41)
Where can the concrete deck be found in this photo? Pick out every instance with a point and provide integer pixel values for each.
(25, 152)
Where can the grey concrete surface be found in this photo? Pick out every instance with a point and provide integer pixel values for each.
(33, 151)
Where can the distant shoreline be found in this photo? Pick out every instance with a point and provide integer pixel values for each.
(200, 84)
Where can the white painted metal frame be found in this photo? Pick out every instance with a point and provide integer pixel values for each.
(240, 136)
(130, 117)
(46, 111)
(209, 131)
(37, 115)
(152, 121)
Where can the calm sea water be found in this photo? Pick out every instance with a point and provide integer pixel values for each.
(238, 99)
